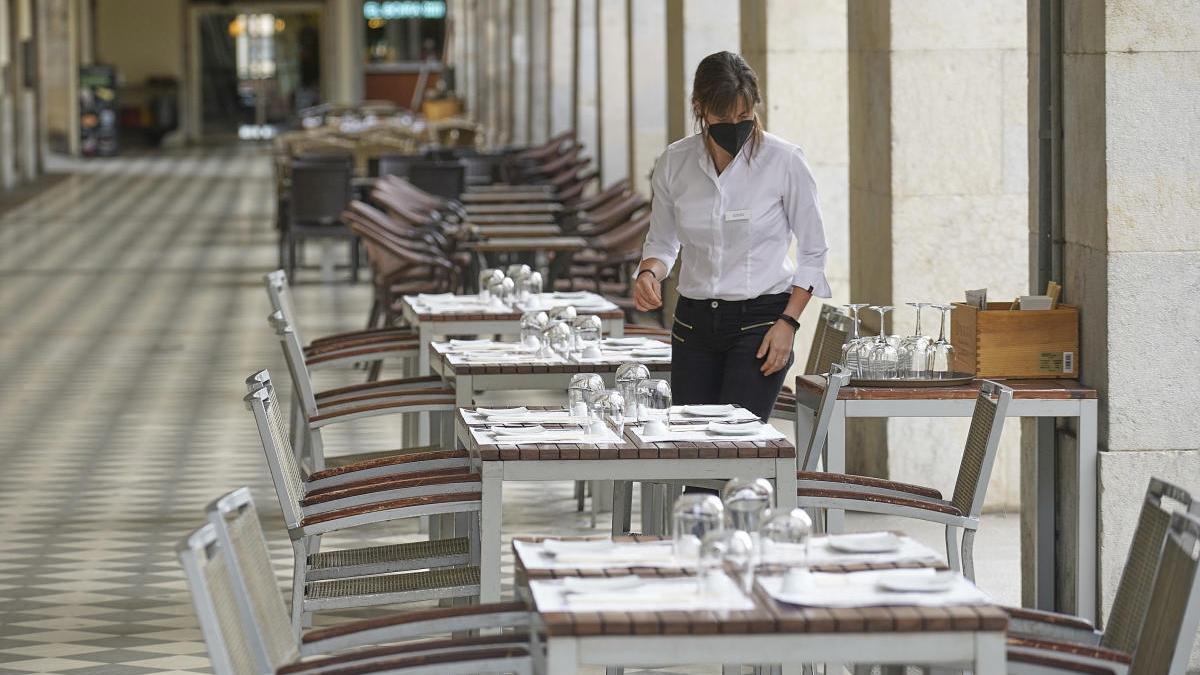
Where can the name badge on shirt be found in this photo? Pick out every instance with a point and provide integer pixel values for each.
(743, 214)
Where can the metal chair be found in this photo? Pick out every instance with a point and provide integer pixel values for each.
(245, 624)
(410, 396)
(319, 191)
(1162, 642)
(873, 495)
(395, 488)
(444, 179)
(395, 165)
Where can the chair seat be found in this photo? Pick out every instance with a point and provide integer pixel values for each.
(358, 339)
(867, 499)
(380, 658)
(399, 481)
(366, 591)
(343, 464)
(868, 482)
(390, 505)
(378, 387)
(1067, 621)
(1068, 654)
(1045, 662)
(363, 352)
(357, 562)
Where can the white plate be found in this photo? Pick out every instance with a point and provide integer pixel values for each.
(918, 583)
(651, 353)
(624, 342)
(554, 546)
(519, 431)
(472, 343)
(868, 542)
(600, 584)
(742, 429)
(507, 412)
(569, 295)
(708, 410)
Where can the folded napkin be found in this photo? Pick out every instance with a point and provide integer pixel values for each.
(595, 554)
(472, 343)
(818, 552)
(663, 595)
(700, 433)
(862, 589)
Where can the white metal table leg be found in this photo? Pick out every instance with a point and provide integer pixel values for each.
(990, 655)
(562, 655)
(464, 397)
(425, 337)
(785, 482)
(835, 461)
(492, 516)
(1085, 566)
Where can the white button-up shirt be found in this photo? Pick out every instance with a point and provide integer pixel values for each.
(735, 230)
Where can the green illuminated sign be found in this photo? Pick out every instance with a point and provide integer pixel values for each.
(405, 9)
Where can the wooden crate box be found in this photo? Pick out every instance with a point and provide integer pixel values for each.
(1005, 343)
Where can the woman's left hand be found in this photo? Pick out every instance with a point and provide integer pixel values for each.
(776, 347)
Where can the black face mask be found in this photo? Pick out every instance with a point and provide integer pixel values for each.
(731, 137)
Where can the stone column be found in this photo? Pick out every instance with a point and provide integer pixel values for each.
(502, 88)
(1131, 251)
(647, 89)
(614, 90)
(345, 30)
(695, 29)
(938, 177)
(539, 70)
(8, 176)
(587, 72)
(562, 65)
(520, 72)
(798, 51)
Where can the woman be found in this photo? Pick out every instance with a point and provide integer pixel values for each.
(731, 201)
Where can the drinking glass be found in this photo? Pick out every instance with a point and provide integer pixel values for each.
(534, 283)
(556, 341)
(563, 313)
(532, 326)
(694, 515)
(745, 501)
(915, 351)
(486, 278)
(609, 405)
(580, 393)
(943, 352)
(589, 330)
(654, 401)
(628, 376)
(784, 536)
(857, 343)
(517, 271)
(881, 361)
(725, 551)
(506, 291)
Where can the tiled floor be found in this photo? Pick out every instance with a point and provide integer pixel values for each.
(131, 309)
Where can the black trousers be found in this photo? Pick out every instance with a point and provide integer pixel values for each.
(714, 357)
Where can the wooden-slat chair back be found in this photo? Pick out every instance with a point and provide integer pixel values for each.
(1129, 605)
(206, 568)
(444, 179)
(983, 441)
(837, 378)
(618, 189)
(240, 534)
(1173, 611)
(286, 474)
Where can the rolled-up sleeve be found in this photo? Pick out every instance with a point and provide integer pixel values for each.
(804, 217)
(662, 239)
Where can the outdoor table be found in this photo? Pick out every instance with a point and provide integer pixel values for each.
(505, 231)
(494, 209)
(499, 219)
(534, 250)
(1031, 398)
(772, 632)
(429, 322)
(469, 377)
(473, 198)
(629, 459)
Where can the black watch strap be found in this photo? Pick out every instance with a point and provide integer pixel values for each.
(790, 321)
(647, 271)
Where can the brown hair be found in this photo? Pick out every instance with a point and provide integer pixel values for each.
(722, 81)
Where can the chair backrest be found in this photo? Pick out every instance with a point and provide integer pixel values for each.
(983, 441)
(1166, 637)
(248, 558)
(206, 567)
(396, 165)
(444, 179)
(1133, 591)
(837, 378)
(320, 190)
(280, 293)
(832, 329)
(293, 353)
(281, 459)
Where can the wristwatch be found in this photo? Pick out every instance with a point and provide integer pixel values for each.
(790, 321)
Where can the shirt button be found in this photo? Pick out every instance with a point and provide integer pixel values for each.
(714, 304)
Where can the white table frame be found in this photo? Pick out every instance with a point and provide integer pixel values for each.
(1085, 410)
(984, 649)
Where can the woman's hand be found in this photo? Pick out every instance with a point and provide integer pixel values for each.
(647, 292)
(776, 347)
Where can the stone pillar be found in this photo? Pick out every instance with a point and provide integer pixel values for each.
(345, 70)
(502, 88)
(587, 72)
(539, 70)
(8, 177)
(1131, 247)
(798, 51)
(695, 29)
(614, 90)
(647, 89)
(562, 65)
(938, 178)
(520, 72)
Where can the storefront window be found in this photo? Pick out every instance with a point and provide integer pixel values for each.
(404, 30)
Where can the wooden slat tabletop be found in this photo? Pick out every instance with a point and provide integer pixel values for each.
(517, 244)
(631, 448)
(541, 368)
(614, 313)
(768, 617)
(493, 209)
(517, 230)
(1064, 390)
(512, 218)
(472, 199)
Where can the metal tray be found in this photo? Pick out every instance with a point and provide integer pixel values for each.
(948, 380)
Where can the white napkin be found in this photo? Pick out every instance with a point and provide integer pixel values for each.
(861, 589)
(663, 595)
(472, 343)
(820, 553)
(699, 433)
(602, 554)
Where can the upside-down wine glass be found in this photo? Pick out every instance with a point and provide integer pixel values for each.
(857, 343)
(881, 362)
(943, 351)
(915, 350)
